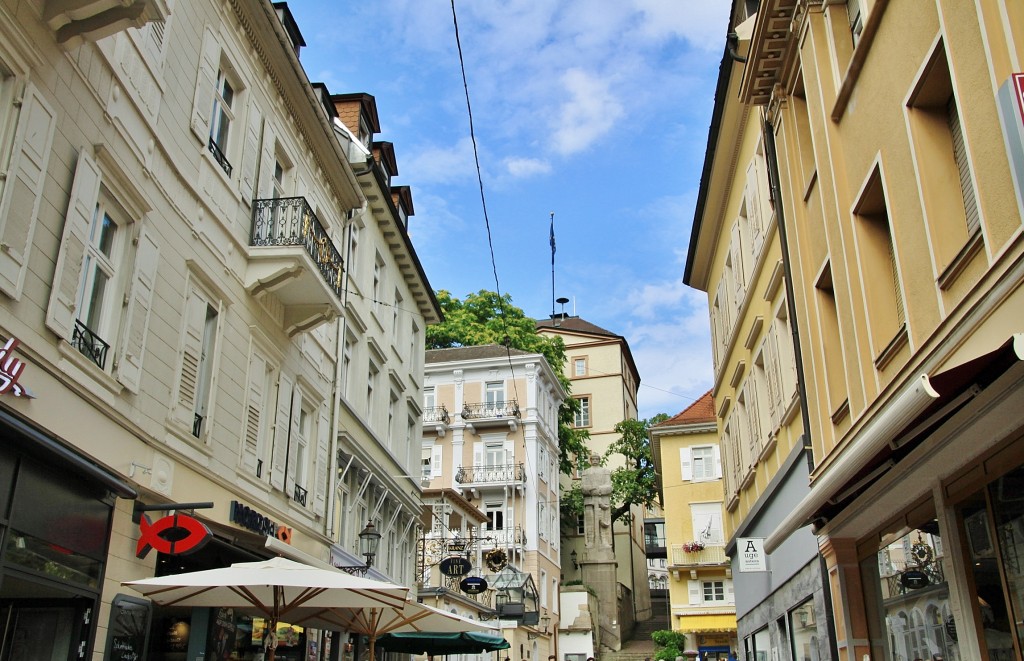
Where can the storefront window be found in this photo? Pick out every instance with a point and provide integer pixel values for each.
(911, 597)
(762, 645)
(993, 524)
(805, 633)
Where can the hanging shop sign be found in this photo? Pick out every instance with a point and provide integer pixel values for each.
(914, 579)
(456, 566)
(750, 554)
(10, 371)
(177, 534)
(249, 518)
(473, 585)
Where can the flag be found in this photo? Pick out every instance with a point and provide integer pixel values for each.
(552, 240)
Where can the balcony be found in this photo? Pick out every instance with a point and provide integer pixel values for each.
(436, 417)
(486, 415)
(474, 477)
(294, 260)
(76, 21)
(655, 546)
(709, 555)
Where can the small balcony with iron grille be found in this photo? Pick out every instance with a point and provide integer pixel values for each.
(293, 259)
(489, 415)
(437, 418)
(473, 479)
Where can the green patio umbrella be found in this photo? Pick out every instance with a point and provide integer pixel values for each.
(434, 643)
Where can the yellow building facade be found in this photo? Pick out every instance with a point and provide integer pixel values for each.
(702, 601)
(898, 131)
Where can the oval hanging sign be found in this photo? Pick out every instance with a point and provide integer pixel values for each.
(473, 584)
(914, 579)
(455, 566)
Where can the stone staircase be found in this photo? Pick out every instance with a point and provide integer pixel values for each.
(640, 646)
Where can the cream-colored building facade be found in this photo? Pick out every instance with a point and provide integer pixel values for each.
(604, 378)
(702, 603)
(187, 317)
(898, 131)
(490, 435)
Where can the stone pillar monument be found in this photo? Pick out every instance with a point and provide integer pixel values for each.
(598, 563)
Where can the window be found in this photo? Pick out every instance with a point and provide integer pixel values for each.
(494, 394)
(855, 10)
(353, 250)
(429, 400)
(371, 388)
(392, 411)
(347, 356)
(714, 591)
(102, 264)
(495, 512)
(301, 453)
(835, 365)
(583, 414)
(204, 369)
(192, 402)
(494, 454)
(580, 366)
(221, 117)
(706, 519)
(700, 463)
(97, 301)
(580, 525)
(878, 264)
(378, 281)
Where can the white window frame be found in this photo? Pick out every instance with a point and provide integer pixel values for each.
(582, 417)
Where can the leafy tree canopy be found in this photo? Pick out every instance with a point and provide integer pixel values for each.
(487, 318)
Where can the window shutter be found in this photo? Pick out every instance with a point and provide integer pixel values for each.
(254, 403)
(289, 485)
(696, 592)
(510, 453)
(191, 352)
(323, 460)
(60, 313)
(730, 594)
(140, 302)
(716, 454)
(736, 250)
(279, 461)
(759, 439)
(686, 463)
(250, 153)
(22, 190)
(206, 81)
(771, 367)
(478, 454)
(436, 461)
(265, 183)
(753, 200)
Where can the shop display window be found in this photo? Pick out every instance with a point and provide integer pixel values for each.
(804, 630)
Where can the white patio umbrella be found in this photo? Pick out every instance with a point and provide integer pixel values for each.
(277, 588)
(375, 621)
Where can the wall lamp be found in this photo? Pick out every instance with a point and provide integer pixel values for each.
(542, 631)
(369, 539)
(573, 556)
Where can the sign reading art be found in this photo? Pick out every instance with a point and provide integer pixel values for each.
(249, 518)
(455, 566)
(750, 554)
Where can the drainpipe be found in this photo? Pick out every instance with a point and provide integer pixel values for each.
(771, 156)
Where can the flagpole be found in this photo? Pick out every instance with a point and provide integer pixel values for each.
(552, 241)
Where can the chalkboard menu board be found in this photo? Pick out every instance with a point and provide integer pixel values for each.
(128, 634)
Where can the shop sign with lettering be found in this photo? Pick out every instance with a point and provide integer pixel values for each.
(177, 534)
(750, 554)
(249, 518)
(455, 566)
(10, 371)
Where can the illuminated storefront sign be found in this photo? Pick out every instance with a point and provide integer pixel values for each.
(249, 518)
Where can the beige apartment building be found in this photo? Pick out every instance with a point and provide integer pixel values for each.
(605, 379)
(894, 130)
(189, 325)
(737, 256)
(702, 602)
(490, 465)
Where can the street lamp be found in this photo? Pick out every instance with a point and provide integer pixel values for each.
(369, 539)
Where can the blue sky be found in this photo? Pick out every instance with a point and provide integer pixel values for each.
(596, 110)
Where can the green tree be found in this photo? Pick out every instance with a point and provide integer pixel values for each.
(487, 318)
(670, 644)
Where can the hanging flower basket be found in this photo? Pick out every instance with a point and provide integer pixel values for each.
(693, 547)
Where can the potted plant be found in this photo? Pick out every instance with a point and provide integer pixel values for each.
(693, 547)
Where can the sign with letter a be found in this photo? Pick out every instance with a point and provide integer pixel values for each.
(751, 556)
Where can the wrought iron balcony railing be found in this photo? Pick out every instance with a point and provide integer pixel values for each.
(501, 474)
(290, 221)
(90, 344)
(507, 536)
(219, 156)
(506, 409)
(300, 495)
(436, 414)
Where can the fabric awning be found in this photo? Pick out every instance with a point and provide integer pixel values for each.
(426, 642)
(916, 411)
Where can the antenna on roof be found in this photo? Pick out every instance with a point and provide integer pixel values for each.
(552, 242)
(561, 315)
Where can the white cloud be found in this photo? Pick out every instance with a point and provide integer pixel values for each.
(590, 111)
(526, 167)
(700, 22)
(434, 164)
